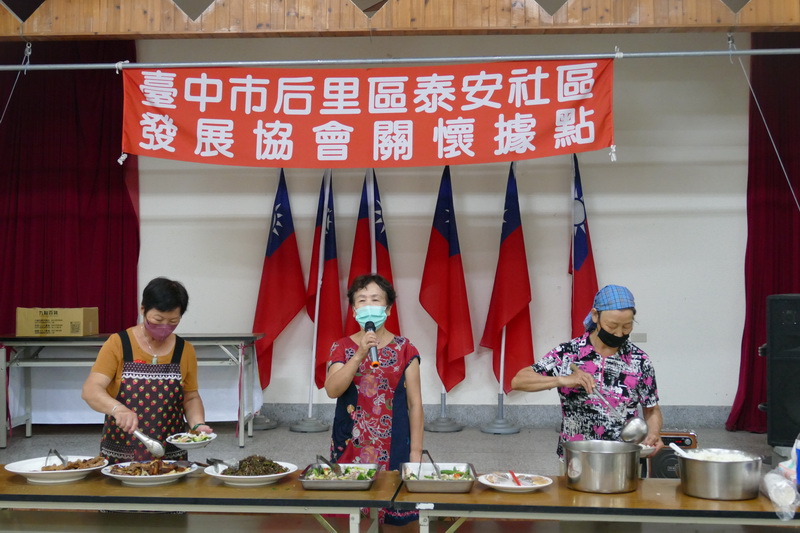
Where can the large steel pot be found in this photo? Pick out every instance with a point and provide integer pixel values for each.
(720, 480)
(602, 466)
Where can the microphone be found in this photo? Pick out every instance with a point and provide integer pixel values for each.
(373, 351)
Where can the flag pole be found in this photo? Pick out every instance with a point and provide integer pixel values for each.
(371, 212)
(311, 424)
(443, 424)
(501, 426)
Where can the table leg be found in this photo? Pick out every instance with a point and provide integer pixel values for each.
(242, 387)
(355, 521)
(28, 392)
(424, 522)
(4, 396)
(250, 355)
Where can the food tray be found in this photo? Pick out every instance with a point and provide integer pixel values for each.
(337, 484)
(437, 485)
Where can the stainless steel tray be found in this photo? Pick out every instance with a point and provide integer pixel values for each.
(437, 485)
(337, 484)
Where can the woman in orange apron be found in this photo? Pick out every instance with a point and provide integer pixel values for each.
(145, 378)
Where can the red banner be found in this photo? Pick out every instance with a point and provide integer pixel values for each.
(377, 117)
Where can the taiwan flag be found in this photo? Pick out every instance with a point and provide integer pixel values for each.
(581, 264)
(323, 298)
(371, 248)
(282, 292)
(443, 292)
(511, 296)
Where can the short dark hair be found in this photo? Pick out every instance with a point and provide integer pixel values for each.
(362, 281)
(165, 294)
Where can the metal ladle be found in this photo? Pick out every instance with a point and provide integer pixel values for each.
(152, 445)
(634, 431)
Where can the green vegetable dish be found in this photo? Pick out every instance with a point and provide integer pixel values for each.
(354, 473)
(255, 465)
(447, 475)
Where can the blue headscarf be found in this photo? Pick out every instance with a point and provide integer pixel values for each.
(609, 298)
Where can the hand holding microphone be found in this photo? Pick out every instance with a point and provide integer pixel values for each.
(373, 350)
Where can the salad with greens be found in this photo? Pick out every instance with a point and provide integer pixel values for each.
(356, 473)
(447, 475)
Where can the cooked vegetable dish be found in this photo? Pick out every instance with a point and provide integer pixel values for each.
(255, 465)
(447, 475)
(349, 473)
(191, 436)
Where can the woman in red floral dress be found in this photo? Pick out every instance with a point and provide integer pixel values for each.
(379, 416)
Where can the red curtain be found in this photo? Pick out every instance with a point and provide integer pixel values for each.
(69, 231)
(772, 258)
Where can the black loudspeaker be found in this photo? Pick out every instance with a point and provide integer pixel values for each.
(665, 462)
(783, 369)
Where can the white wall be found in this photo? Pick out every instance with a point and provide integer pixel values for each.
(667, 219)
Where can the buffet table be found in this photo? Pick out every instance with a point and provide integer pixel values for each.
(28, 352)
(656, 500)
(199, 493)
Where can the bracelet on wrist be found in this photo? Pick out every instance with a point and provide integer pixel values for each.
(114, 409)
(194, 427)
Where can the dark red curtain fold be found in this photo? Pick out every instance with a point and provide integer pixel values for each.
(772, 258)
(69, 230)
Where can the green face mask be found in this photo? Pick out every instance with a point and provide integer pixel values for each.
(371, 313)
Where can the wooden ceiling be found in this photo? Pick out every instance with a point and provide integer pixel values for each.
(140, 19)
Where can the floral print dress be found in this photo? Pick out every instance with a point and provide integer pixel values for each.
(625, 379)
(371, 424)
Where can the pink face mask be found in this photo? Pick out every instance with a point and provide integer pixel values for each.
(159, 331)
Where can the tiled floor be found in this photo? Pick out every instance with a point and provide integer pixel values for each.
(531, 450)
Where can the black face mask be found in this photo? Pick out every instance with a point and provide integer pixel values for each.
(609, 339)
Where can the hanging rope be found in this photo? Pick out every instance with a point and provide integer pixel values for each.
(26, 59)
(732, 48)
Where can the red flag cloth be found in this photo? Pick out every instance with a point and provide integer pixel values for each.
(323, 282)
(371, 249)
(581, 259)
(443, 292)
(511, 296)
(282, 292)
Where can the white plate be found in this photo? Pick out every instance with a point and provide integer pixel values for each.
(190, 445)
(502, 481)
(32, 470)
(218, 471)
(647, 451)
(145, 481)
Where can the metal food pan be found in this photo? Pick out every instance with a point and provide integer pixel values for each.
(437, 485)
(337, 484)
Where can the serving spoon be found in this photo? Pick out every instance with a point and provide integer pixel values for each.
(677, 449)
(333, 466)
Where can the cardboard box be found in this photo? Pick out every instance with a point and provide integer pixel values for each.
(57, 322)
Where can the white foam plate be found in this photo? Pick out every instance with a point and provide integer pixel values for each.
(502, 481)
(218, 471)
(647, 451)
(190, 445)
(32, 470)
(148, 481)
